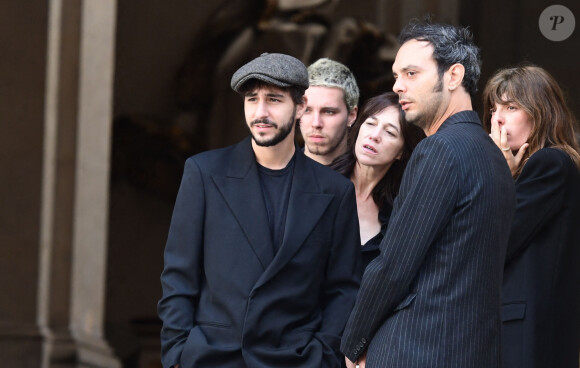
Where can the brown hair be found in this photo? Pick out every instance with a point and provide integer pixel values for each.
(388, 187)
(535, 91)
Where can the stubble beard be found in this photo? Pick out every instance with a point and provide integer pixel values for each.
(425, 118)
(333, 144)
(282, 133)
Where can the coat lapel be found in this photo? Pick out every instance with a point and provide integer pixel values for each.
(241, 189)
(306, 205)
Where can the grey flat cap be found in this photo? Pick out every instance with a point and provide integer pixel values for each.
(278, 69)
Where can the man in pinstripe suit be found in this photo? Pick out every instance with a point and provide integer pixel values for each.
(432, 298)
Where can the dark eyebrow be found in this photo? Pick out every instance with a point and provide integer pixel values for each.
(277, 95)
(394, 127)
(508, 102)
(411, 67)
(390, 124)
(269, 94)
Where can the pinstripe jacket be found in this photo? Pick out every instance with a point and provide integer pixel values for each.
(432, 297)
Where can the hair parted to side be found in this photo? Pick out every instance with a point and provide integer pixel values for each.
(388, 187)
(329, 73)
(451, 44)
(535, 91)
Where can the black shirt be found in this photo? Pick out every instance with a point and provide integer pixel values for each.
(370, 250)
(276, 185)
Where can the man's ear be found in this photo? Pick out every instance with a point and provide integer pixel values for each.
(456, 73)
(352, 116)
(300, 108)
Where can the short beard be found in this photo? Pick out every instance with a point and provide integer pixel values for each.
(283, 132)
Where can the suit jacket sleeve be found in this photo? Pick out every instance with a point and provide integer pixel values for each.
(540, 195)
(421, 210)
(183, 261)
(343, 273)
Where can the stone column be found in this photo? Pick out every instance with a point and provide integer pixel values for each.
(75, 188)
(92, 183)
(22, 83)
(54, 241)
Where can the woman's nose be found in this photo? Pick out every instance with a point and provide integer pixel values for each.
(497, 117)
(375, 134)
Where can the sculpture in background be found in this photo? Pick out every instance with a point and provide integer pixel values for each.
(208, 111)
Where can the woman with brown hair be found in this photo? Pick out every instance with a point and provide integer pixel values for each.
(527, 117)
(380, 144)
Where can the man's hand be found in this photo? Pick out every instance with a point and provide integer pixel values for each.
(361, 362)
(349, 364)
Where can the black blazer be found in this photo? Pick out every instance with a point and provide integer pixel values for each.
(228, 300)
(432, 296)
(541, 289)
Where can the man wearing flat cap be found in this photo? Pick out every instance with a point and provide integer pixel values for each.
(261, 262)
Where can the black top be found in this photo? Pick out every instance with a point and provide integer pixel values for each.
(276, 186)
(370, 250)
(541, 280)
